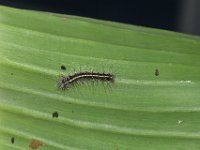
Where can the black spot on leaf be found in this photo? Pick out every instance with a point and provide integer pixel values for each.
(62, 67)
(157, 72)
(12, 140)
(55, 115)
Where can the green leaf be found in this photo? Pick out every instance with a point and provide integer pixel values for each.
(154, 103)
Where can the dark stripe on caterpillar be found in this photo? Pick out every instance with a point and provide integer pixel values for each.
(68, 81)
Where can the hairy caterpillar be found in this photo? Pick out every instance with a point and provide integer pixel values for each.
(66, 82)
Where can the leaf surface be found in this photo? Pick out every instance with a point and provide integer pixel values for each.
(138, 111)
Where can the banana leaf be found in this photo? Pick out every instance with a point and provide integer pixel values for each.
(153, 103)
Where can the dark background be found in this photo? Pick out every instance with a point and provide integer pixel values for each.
(175, 15)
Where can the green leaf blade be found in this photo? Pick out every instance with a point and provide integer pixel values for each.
(139, 111)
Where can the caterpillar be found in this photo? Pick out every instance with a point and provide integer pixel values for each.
(66, 82)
